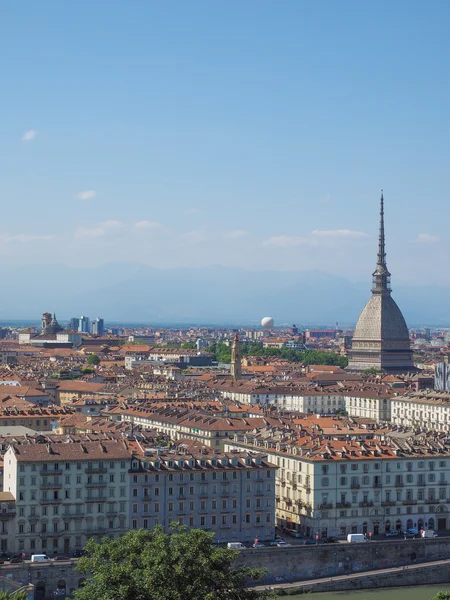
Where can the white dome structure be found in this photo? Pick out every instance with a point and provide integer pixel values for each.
(267, 322)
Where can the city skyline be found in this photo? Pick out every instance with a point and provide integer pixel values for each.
(246, 136)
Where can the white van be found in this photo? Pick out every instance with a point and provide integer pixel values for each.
(40, 558)
(235, 546)
(356, 537)
(429, 533)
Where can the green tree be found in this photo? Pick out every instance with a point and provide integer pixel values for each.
(442, 596)
(93, 359)
(152, 565)
(13, 596)
(189, 346)
(371, 371)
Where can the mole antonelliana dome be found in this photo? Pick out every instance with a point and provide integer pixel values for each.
(381, 338)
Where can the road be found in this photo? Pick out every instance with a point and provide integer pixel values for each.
(300, 584)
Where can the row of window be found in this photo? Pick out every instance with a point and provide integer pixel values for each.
(68, 480)
(58, 466)
(207, 521)
(202, 505)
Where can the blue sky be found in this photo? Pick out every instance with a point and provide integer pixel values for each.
(254, 134)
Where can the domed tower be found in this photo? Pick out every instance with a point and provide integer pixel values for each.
(381, 338)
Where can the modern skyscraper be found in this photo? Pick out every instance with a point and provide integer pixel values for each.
(236, 370)
(98, 326)
(74, 323)
(381, 338)
(83, 325)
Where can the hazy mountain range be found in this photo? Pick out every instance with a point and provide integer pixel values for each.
(213, 295)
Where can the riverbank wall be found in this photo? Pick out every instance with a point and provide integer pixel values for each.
(302, 563)
(427, 575)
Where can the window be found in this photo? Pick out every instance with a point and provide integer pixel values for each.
(325, 481)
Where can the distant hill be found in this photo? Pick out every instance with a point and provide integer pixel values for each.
(138, 293)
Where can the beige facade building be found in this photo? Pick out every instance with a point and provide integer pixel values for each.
(66, 493)
(426, 410)
(336, 486)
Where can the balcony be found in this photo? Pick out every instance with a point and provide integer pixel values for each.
(355, 486)
(388, 503)
(51, 486)
(50, 472)
(442, 482)
(326, 506)
(95, 470)
(377, 484)
(96, 499)
(307, 489)
(366, 504)
(399, 484)
(409, 502)
(96, 484)
(51, 500)
(343, 505)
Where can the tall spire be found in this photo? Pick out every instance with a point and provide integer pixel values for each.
(381, 249)
(236, 367)
(381, 275)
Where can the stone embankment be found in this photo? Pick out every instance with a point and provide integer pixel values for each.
(306, 563)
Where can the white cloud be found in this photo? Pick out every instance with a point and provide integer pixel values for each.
(195, 236)
(427, 238)
(86, 195)
(193, 211)
(286, 241)
(99, 230)
(29, 135)
(147, 225)
(235, 234)
(343, 233)
(24, 238)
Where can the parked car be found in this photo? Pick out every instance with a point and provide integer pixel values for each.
(429, 533)
(78, 553)
(283, 544)
(258, 545)
(308, 542)
(412, 531)
(331, 540)
(61, 558)
(392, 533)
(5, 555)
(15, 559)
(356, 538)
(236, 546)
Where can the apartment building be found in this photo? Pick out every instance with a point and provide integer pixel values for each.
(66, 493)
(337, 486)
(372, 404)
(231, 494)
(36, 418)
(70, 390)
(183, 423)
(428, 410)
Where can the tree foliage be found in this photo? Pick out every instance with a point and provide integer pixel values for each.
(152, 565)
(222, 353)
(189, 346)
(442, 596)
(93, 359)
(371, 371)
(17, 596)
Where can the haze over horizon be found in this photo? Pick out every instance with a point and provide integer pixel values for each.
(212, 138)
